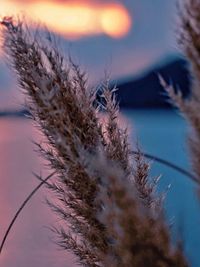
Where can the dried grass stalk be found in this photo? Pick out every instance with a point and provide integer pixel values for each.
(104, 201)
(189, 41)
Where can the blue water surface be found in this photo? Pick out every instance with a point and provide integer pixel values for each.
(159, 132)
(164, 133)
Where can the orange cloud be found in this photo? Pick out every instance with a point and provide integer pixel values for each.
(73, 19)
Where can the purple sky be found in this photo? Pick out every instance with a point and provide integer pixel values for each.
(151, 38)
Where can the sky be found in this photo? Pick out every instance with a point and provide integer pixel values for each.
(121, 38)
(75, 19)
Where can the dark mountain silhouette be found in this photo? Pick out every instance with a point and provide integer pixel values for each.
(146, 91)
(15, 113)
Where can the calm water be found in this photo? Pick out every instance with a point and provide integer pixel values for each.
(162, 133)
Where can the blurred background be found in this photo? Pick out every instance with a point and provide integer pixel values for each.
(133, 41)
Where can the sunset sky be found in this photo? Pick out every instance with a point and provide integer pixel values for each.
(120, 37)
(74, 19)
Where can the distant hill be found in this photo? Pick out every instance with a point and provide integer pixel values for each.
(15, 113)
(146, 91)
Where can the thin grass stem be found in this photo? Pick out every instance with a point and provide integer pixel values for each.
(21, 208)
